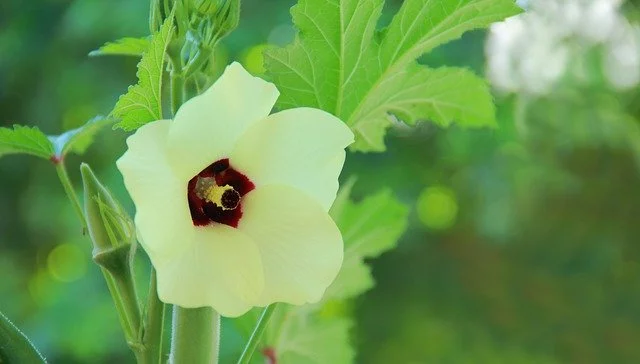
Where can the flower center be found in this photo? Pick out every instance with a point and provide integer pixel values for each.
(222, 196)
(215, 194)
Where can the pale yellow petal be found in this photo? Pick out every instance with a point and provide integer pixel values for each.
(160, 197)
(300, 246)
(207, 127)
(220, 268)
(300, 147)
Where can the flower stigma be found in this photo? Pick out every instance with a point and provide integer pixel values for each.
(224, 197)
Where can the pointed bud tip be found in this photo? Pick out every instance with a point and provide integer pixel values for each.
(87, 175)
(85, 169)
(90, 183)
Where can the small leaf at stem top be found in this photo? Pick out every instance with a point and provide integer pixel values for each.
(143, 102)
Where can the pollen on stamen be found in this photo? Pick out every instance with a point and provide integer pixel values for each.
(225, 197)
(203, 185)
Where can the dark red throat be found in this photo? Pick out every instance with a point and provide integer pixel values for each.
(204, 212)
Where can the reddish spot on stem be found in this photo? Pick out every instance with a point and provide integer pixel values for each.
(270, 354)
(55, 159)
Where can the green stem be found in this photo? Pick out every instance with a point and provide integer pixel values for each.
(131, 308)
(126, 302)
(260, 328)
(195, 335)
(130, 333)
(154, 327)
(177, 91)
(155, 16)
(203, 54)
(68, 188)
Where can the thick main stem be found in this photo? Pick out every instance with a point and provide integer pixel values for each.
(154, 328)
(195, 336)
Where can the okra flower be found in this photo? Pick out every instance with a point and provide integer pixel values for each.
(232, 203)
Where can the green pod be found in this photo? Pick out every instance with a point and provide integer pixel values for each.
(111, 230)
(113, 236)
(109, 226)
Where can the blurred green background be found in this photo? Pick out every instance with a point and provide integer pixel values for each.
(523, 244)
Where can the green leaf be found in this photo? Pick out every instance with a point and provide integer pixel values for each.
(142, 102)
(79, 139)
(15, 347)
(338, 64)
(354, 279)
(369, 228)
(30, 140)
(442, 95)
(422, 25)
(25, 140)
(312, 340)
(123, 47)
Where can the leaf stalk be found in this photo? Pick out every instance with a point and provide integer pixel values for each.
(258, 331)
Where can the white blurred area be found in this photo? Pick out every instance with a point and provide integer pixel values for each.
(553, 40)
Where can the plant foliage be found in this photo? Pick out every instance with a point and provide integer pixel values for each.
(340, 63)
(143, 102)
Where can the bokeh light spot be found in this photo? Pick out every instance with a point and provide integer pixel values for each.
(332, 309)
(437, 207)
(66, 263)
(253, 59)
(282, 35)
(42, 288)
(76, 116)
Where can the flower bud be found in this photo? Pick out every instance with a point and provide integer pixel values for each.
(113, 235)
(227, 17)
(205, 7)
(222, 15)
(110, 229)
